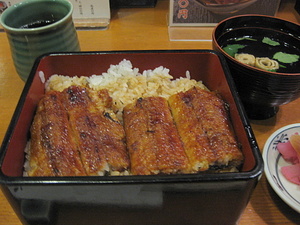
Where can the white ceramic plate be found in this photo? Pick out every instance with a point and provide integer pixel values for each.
(287, 191)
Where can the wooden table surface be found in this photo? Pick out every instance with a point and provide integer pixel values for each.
(146, 29)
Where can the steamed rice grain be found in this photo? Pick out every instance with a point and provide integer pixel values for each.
(125, 83)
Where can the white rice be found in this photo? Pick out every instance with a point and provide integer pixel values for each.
(125, 83)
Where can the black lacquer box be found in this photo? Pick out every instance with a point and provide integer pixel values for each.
(204, 198)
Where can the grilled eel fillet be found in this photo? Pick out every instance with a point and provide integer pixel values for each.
(153, 142)
(71, 135)
(212, 115)
(53, 150)
(196, 143)
(202, 127)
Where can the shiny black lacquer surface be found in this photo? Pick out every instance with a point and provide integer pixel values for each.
(155, 199)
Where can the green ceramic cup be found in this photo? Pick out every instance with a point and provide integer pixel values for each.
(37, 27)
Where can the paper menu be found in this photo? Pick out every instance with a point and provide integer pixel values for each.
(192, 13)
(91, 13)
(190, 21)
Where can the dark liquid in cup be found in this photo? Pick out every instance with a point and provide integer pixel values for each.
(38, 23)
